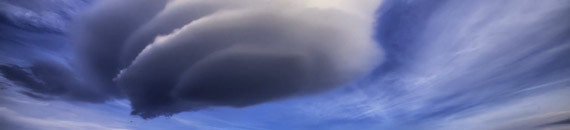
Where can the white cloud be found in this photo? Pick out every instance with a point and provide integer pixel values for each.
(527, 113)
(13, 120)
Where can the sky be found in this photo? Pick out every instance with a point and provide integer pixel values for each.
(284, 64)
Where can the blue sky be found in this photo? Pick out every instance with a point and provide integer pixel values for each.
(446, 65)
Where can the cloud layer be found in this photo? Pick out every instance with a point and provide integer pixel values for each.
(185, 55)
(458, 64)
(453, 61)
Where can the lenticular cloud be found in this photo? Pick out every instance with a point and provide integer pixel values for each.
(183, 55)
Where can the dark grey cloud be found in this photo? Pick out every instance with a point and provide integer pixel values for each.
(177, 56)
(101, 33)
(19, 75)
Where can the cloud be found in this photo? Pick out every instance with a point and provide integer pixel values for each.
(445, 59)
(186, 55)
(51, 80)
(40, 16)
(541, 111)
(449, 65)
(99, 35)
(13, 120)
(35, 53)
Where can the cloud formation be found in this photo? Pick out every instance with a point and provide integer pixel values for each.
(185, 55)
(449, 60)
(35, 51)
(39, 15)
(461, 64)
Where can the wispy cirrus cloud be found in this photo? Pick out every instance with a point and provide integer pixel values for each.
(449, 59)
